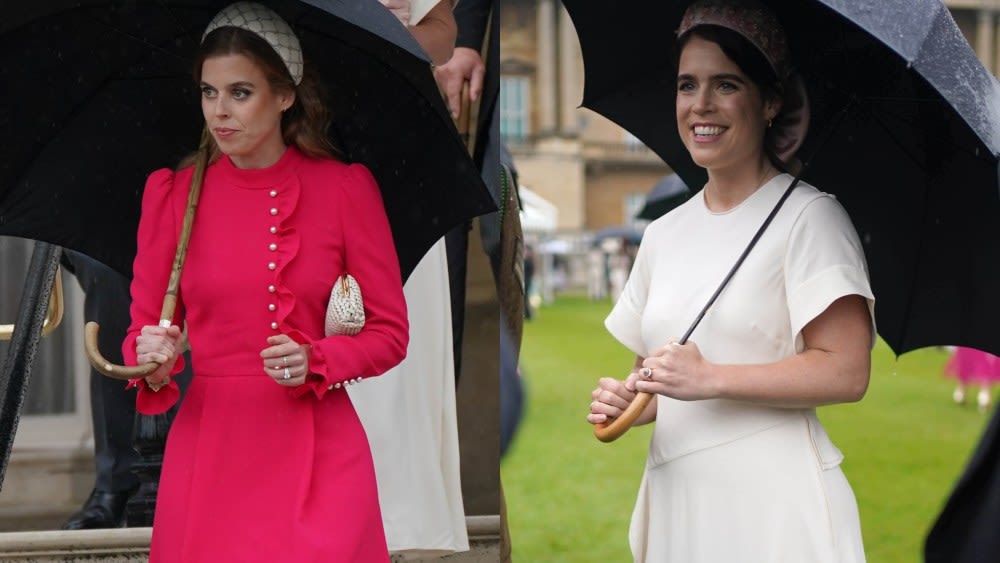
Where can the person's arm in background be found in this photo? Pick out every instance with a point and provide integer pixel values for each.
(434, 30)
(466, 64)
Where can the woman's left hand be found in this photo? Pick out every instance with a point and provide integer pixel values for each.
(678, 371)
(286, 361)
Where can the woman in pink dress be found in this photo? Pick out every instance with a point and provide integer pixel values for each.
(266, 459)
(970, 366)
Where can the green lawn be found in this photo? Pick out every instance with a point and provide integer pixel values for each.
(569, 497)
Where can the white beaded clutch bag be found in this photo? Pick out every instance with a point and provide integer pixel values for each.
(345, 314)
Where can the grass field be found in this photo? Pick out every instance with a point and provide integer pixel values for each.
(569, 497)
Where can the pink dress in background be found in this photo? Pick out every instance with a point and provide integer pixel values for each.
(969, 365)
(253, 471)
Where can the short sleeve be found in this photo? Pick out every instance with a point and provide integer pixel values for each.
(156, 246)
(625, 320)
(371, 258)
(824, 262)
(420, 8)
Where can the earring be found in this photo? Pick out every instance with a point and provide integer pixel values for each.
(769, 123)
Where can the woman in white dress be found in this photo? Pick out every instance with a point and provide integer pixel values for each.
(410, 415)
(739, 467)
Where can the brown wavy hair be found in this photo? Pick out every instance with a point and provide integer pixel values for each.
(305, 123)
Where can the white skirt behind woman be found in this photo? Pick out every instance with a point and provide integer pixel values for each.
(409, 414)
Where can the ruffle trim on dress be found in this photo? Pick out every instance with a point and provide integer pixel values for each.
(289, 241)
(288, 249)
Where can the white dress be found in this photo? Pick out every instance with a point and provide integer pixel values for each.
(410, 417)
(727, 480)
(410, 414)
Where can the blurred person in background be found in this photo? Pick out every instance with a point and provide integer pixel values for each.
(972, 367)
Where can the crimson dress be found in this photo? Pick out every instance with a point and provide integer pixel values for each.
(254, 471)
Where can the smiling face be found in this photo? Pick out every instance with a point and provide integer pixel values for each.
(721, 116)
(242, 111)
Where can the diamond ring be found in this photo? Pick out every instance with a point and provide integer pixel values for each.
(284, 361)
(287, 374)
(646, 373)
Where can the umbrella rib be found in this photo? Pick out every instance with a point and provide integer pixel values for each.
(831, 130)
(888, 131)
(921, 239)
(879, 119)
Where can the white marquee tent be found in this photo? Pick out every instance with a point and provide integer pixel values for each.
(538, 215)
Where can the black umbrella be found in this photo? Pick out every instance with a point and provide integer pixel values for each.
(666, 194)
(905, 131)
(99, 93)
(621, 232)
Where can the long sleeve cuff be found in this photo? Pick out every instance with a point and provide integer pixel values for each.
(149, 402)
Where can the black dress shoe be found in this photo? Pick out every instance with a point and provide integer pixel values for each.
(102, 510)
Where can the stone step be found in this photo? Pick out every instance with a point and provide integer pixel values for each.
(131, 545)
(124, 545)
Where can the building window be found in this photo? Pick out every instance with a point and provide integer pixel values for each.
(515, 108)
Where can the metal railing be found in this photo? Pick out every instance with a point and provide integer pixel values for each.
(53, 315)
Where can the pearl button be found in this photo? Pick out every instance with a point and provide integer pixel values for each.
(274, 325)
(274, 211)
(271, 307)
(271, 289)
(336, 385)
(271, 265)
(274, 193)
(272, 247)
(274, 230)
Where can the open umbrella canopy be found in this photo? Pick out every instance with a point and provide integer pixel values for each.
(624, 233)
(905, 131)
(666, 194)
(99, 93)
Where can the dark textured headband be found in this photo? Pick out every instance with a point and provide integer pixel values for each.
(749, 18)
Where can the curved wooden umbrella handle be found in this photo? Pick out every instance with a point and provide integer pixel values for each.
(173, 284)
(104, 366)
(611, 431)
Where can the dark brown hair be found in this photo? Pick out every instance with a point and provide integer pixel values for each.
(742, 52)
(305, 123)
